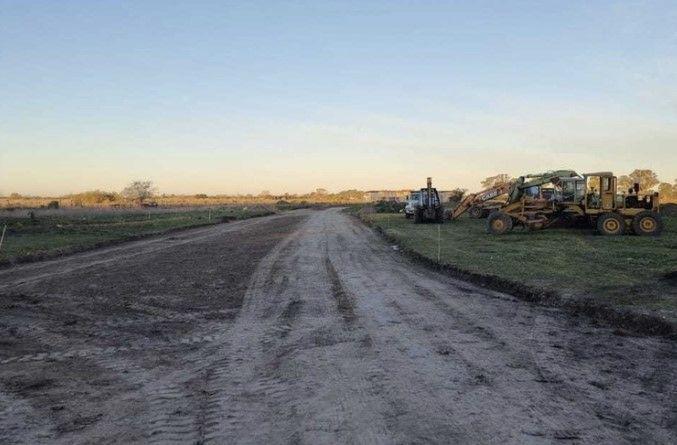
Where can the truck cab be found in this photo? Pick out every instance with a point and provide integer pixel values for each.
(412, 200)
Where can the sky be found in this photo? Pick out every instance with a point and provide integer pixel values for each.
(288, 96)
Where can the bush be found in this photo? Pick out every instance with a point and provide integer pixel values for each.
(282, 205)
(389, 207)
(93, 197)
(53, 205)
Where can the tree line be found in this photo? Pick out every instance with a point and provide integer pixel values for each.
(144, 192)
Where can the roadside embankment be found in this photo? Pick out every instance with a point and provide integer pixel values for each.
(33, 235)
(626, 282)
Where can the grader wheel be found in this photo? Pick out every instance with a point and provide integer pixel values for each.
(647, 223)
(611, 224)
(499, 223)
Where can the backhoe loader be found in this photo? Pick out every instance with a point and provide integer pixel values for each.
(483, 203)
(480, 204)
(428, 207)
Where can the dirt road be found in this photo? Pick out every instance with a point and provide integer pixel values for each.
(306, 327)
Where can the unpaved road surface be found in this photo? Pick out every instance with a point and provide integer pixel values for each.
(307, 327)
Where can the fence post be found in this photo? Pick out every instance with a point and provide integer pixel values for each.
(439, 241)
(2, 237)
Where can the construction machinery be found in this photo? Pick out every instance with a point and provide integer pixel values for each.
(538, 201)
(427, 206)
(484, 209)
(485, 202)
(480, 204)
(410, 206)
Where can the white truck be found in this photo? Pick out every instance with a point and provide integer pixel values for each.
(412, 200)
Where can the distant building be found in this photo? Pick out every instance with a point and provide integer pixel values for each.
(386, 195)
(400, 195)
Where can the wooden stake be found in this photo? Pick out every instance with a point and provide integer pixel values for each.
(439, 241)
(2, 238)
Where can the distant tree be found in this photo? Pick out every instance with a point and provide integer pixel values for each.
(456, 195)
(667, 191)
(321, 191)
(15, 195)
(647, 179)
(200, 196)
(624, 183)
(139, 191)
(493, 181)
(264, 193)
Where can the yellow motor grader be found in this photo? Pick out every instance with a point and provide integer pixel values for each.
(538, 201)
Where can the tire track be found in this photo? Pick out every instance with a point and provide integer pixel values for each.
(510, 382)
(344, 301)
(107, 351)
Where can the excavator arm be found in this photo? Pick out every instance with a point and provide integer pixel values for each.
(514, 189)
(478, 198)
(524, 182)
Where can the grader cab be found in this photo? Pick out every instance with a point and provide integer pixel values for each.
(592, 197)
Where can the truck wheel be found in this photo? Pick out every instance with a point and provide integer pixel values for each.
(475, 212)
(499, 223)
(439, 215)
(647, 223)
(407, 215)
(611, 224)
(418, 216)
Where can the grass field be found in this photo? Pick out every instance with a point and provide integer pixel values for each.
(53, 232)
(627, 271)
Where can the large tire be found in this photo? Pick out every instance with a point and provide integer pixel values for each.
(647, 223)
(418, 216)
(407, 215)
(611, 224)
(499, 223)
(475, 212)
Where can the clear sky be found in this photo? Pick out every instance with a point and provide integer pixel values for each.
(244, 96)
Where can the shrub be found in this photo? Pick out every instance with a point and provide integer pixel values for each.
(389, 207)
(282, 205)
(92, 197)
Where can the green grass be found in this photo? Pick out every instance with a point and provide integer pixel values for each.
(625, 271)
(61, 231)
